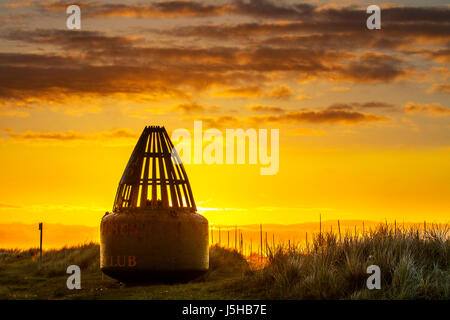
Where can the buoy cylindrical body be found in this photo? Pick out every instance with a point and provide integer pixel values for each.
(154, 245)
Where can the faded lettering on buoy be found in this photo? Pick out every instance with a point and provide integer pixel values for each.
(119, 261)
(124, 229)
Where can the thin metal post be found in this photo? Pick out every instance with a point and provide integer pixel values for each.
(261, 240)
(266, 251)
(40, 246)
(339, 228)
(235, 237)
(320, 228)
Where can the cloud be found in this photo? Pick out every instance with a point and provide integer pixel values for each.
(194, 108)
(219, 121)
(32, 59)
(415, 14)
(335, 28)
(372, 67)
(364, 105)
(187, 8)
(271, 9)
(241, 92)
(328, 116)
(189, 108)
(302, 97)
(260, 108)
(439, 55)
(17, 114)
(106, 65)
(177, 73)
(36, 79)
(306, 132)
(85, 41)
(340, 89)
(443, 88)
(280, 10)
(63, 136)
(161, 9)
(18, 4)
(9, 206)
(282, 92)
(435, 109)
(286, 41)
(121, 133)
(245, 30)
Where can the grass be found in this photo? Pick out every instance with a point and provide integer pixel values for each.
(414, 265)
(20, 277)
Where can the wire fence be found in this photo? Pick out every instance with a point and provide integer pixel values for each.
(261, 241)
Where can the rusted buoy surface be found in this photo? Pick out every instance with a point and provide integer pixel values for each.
(155, 245)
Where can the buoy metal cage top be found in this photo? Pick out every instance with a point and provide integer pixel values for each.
(154, 176)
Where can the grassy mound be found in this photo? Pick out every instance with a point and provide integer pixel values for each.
(224, 262)
(414, 265)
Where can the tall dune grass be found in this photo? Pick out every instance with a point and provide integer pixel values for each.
(224, 262)
(11, 255)
(414, 265)
(55, 261)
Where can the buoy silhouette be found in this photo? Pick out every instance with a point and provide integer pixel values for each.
(154, 232)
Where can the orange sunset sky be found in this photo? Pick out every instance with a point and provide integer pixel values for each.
(364, 115)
